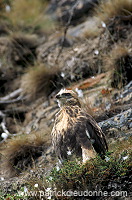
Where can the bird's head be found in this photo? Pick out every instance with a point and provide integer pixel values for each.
(67, 98)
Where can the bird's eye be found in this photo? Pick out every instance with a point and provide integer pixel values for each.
(67, 95)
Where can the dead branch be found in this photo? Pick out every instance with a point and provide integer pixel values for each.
(11, 95)
(8, 99)
(66, 29)
(3, 127)
(20, 98)
(2, 114)
(5, 134)
(11, 101)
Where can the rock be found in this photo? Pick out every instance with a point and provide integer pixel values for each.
(62, 10)
(120, 122)
(126, 95)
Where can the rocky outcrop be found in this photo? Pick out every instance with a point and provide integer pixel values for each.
(64, 10)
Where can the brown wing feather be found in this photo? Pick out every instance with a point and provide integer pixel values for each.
(88, 129)
(97, 134)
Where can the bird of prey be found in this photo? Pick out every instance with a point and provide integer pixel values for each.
(75, 131)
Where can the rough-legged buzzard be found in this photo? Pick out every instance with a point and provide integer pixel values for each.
(75, 131)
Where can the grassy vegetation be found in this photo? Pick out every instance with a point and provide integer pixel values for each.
(39, 80)
(29, 15)
(22, 151)
(112, 8)
(104, 13)
(12, 197)
(119, 63)
(96, 173)
(26, 15)
(22, 49)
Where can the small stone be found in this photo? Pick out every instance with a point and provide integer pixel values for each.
(96, 52)
(107, 159)
(62, 74)
(125, 157)
(4, 135)
(36, 185)
(69, 153)
(25, 189)
(57, 168)
(103, 24)
(2, 178)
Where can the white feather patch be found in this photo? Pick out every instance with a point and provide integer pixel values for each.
(87, 133)
(62, 91)
(58, 102)
(69, 153)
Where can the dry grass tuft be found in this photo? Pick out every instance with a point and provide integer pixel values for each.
(23, 151)
(119, 146)
(103, 12)
(112, 8)
(39, 81)
(86, 105)
(91, 32)
(17, 51)
(119, 63)
(29, 13)
(22, 49)
(1, 5)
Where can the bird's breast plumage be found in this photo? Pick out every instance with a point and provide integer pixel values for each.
(65, 119)
(75, 130)
(64, 126)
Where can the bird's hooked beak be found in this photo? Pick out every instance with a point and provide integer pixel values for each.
(59, 100)
(58, 96)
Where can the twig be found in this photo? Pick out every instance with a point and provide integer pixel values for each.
(20, 98)
(66, 29)
(2, 114)
(4, 128)
(11, 95)
(9, 98)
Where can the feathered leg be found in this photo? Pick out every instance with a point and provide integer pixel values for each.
(87, 153)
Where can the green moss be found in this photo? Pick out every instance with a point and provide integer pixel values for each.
(96, 173)
(70, 175)
(12, 197)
